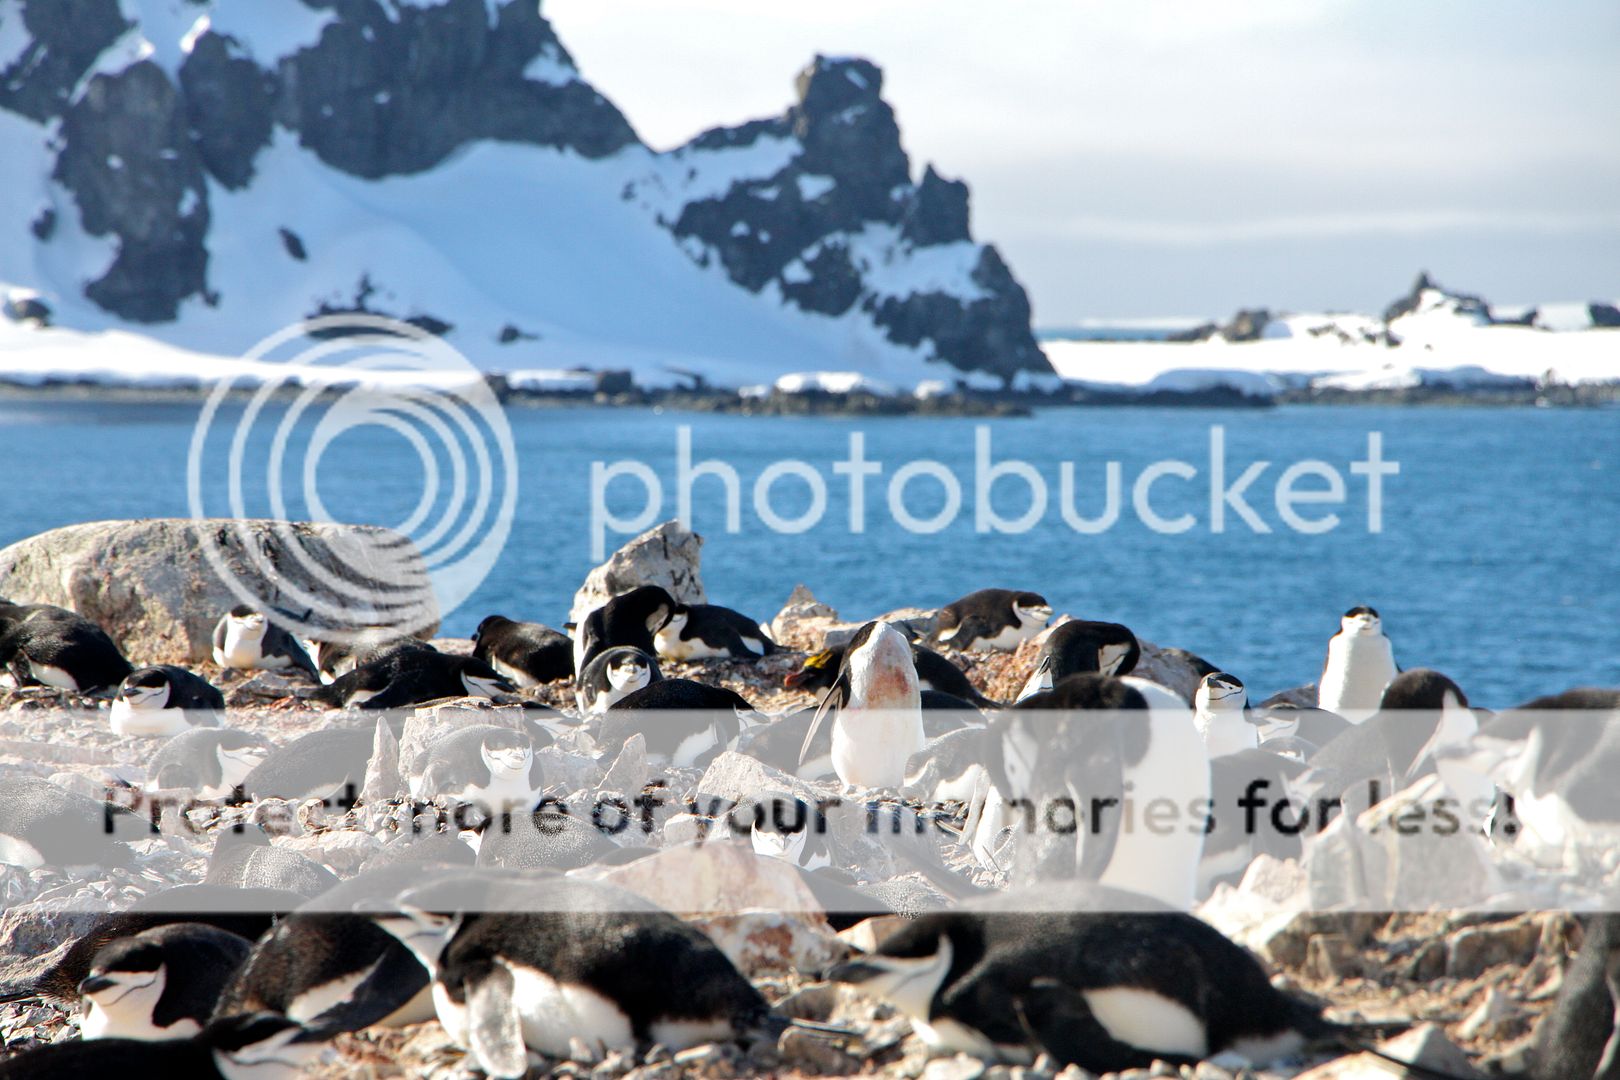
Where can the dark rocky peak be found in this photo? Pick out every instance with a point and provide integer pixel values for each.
(1464, 303)
(64, 38)
(849, 131)
(937, 212)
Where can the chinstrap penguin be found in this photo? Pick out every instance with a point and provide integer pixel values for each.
(161, 983)
(42, 824)
(55, 647)
(684, 722)
(612, 675)
(875, 708)
(1081, 646)
(413, 677)
(257, 1047)
(164, 700)
(631, 618)
(1002, 619)
(493, 768)
(338, 655)
(244, 858)
(1360, 663)
(527, 653)
(246, 640)
(708, 631)
(208, 762)
(320, 765)
(1221, 714)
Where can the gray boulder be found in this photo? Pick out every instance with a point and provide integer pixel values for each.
(153, 586)
(666, 555)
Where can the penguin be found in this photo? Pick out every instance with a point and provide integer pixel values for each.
(787, 829)
(1303, 728)
(1420, 711)
(613, 674)
(246, 640)
(1231, 844)
(319, 765)
(876, 710)
(708, 631)
(1079, 646)
(1360, 663)
(693, 721)
(161, 983)
(260, 1047)
(1093, 977)
(934, 672)
(1004, 618)
(544, 839)
(54, 647)
(1112, 740)
(412, 677)
(243, 857)
(493, 768)
(1555, 758)
(337, 656)
(550, 962)
(630, 618)
(528, 654)
(1221, 715)
(42, 824)
(1580, 1038)
(162, 701)
(328, 967)
(208, 762)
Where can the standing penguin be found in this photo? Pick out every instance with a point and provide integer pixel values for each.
(1360, 663)
(934, 672)
(546, 962)
(209, 762)
(613, 675)
(993, 620)
(246, 640)
(164, 700)
(1221, 715)
(876, 710)
(527, 653)
(55, 647)
(161, 983)
(260, 1047)
(1080, 646)
(1093, 977)
(705, 631)
(631, 618)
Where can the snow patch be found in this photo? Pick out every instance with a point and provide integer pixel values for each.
(271, 29)
(546, 380)
(832, 382)
(550, 68)
(891, 266)
(14, 36)
(813, 187)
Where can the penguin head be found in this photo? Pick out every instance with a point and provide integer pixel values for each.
(238, 757)
(146, 688)
(1422, 688)
(879, 669)
(629, 671)
(908, 970)
(481, 680)
(425, 933)
(1031, 609)
(818, 671)
(126, 979)
(249, 624)
(1219, 692)
(507, 753)
(678, 618)
(490, 622)
(262, 1046)
(1361, 620)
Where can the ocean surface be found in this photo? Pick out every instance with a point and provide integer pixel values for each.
(1497, 560)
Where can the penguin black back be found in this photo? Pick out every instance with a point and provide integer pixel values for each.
(527, 653)
(44, 644)
(631, 618)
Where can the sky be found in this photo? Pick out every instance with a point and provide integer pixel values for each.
(1178, 158)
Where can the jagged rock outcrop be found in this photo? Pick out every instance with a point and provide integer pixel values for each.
(1413, 301)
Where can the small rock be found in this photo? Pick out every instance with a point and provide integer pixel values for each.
(960, 1067)
(1487, 1020)
(809, 1050)
(1331, 957)
(1473, 951)
(629, 770)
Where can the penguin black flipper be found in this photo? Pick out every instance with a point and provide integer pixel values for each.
(495, 1031)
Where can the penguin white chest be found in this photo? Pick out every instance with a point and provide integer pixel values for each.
(552, 1014)
(1148, 1020)
(240, 650)
(669, 644)
(1225, 731)
(52, 676)
(144, 719)
(15, 851)
(1359, 667)
(124, 1011)
(519, 678)
(870, 747)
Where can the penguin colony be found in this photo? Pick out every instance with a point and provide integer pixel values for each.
(1016, 946)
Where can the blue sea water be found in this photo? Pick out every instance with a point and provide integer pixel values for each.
(1497, 561)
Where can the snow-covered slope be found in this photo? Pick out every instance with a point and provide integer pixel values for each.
(1429, 337)
(210, 173)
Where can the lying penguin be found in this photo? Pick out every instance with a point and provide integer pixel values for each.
(43, 824)
(684, 722)
(412, 677)
(613, 675)
(992, 620)
(261, 1046)
(490, 767)
(161, 983)
(164, 700)
(246, 640)
(631, 618)
(54, 647)
(1099, 978)
(708, 631)
(548, 963)
(208, 762)
(338, 655)
(527, 653)
(1081, 646)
